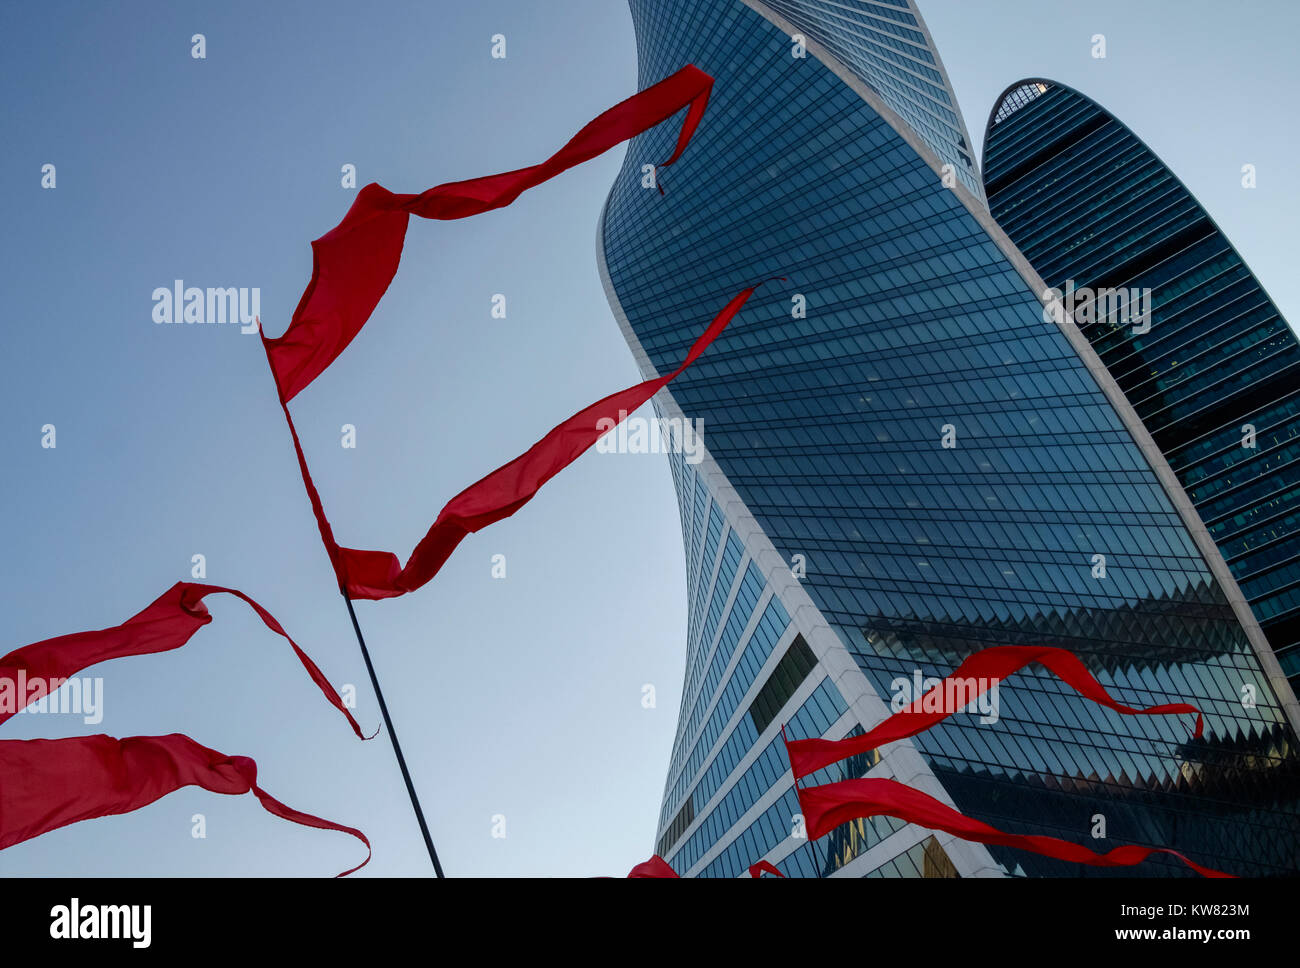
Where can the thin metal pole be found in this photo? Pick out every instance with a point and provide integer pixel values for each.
(392, 735)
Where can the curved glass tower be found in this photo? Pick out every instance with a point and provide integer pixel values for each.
(904, 464)
(1212, 369)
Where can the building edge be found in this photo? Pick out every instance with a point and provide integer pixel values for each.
(901, 760)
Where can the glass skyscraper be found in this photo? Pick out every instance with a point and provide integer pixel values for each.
(1213, 369)
(905, 464)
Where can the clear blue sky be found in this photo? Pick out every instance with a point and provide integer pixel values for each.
(520, 696)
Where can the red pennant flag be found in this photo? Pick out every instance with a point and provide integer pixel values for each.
(757, 870)
(826, 807)
(656, 866)
(353, 264)
(977, 674)
(379, 574)
(50, 783)
(26, 674)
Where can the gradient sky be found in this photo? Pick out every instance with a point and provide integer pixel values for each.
(521, 696)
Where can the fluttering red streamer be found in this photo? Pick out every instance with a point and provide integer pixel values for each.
(167, 623)
(353, 263)
(379, 574)
(826, 807)
(50, 783)
(656, 866)
(982, 670)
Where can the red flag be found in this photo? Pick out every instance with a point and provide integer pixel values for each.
(166, 624)
(826, 807)
(50, 783)
(757, 870)
(353, 263)
(981, 670)
(379, 574)
(352, 267)
(656, 866)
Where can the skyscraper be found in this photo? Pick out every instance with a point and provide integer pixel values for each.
(905, 464)
(1212, 368)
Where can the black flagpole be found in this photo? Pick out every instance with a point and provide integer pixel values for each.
(328, 539)
(392, 735)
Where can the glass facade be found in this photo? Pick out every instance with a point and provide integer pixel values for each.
(1086, 201)
(747, 672)
(948, 468)
(888, 48)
